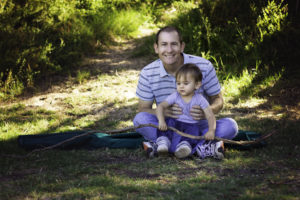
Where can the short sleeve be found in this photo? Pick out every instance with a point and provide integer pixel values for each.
(143, 90)
(210, 82)
(171, 99)
(203, 103)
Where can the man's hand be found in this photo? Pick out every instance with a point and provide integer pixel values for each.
(173, 111)
(216, 104)
(197, 113)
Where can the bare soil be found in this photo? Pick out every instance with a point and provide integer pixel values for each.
(51, 92)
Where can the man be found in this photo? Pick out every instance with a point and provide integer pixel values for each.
(157, 81)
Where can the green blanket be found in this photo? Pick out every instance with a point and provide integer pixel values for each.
(130, 140)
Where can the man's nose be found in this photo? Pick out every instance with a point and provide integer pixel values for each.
(169, 48)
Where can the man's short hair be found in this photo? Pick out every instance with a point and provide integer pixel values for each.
(168, 29)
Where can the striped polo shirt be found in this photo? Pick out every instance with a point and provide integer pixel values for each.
(155, 84)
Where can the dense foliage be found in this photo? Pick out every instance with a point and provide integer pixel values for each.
(40, 38)
(238, 35)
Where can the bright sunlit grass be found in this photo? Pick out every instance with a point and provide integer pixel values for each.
(232, 87)
(105, 99)
(244, 87)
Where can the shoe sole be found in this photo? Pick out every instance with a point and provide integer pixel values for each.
(221, 149)
(146, 146)
(163, 152)
(182, 153)
(149, 150)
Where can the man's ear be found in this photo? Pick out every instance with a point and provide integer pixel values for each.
(155, 48)
(182, 47)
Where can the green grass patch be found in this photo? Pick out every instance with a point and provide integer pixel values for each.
(106, 101)
(270, 172)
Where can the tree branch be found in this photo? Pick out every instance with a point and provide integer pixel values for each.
(133, 128)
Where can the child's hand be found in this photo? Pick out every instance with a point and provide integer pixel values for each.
(162, 126)
(210, 135)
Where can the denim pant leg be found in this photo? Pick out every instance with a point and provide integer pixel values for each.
(226, 128)
(149, 133)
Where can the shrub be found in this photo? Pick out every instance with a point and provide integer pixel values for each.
(40, 38)
(234, 34)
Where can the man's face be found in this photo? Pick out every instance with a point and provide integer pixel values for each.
(169, 48)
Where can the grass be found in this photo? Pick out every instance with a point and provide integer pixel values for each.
(105, 101)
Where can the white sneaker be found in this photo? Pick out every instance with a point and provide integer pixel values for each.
(211, 149)
(163, 144)
(162, 149)
(183, 149)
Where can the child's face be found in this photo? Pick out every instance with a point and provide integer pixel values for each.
(186, 85)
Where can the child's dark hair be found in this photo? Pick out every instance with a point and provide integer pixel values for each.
(192, 69)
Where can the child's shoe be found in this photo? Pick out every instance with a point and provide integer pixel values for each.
(219, 150)
(183, 149)
(163, 144)
(211, 149)
(150, 148)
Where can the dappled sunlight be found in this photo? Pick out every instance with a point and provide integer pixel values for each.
(245, 86)
(249, 48)
(232, 87)
(19, 120)
(246, 97)
(109, 62)
(235, 160)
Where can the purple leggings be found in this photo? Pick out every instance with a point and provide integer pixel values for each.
(226, 127)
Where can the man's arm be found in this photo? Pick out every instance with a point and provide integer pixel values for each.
(216, 104)
(147, 106)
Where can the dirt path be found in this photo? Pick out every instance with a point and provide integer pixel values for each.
(118, 60)
(114, 60)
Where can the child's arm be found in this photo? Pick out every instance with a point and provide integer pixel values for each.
(210, 134)
(160, 115)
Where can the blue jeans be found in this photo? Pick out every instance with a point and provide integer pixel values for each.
(226, 128)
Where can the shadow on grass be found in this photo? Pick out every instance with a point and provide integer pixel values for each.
(22, 116)
(128, 174)
(107, 173)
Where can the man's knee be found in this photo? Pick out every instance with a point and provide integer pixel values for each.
(228, 127)
(143, 118)
(136, 119)
(232, 127)
(149, 133)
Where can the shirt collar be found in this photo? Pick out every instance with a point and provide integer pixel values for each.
(162, 70)
(185, 58)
